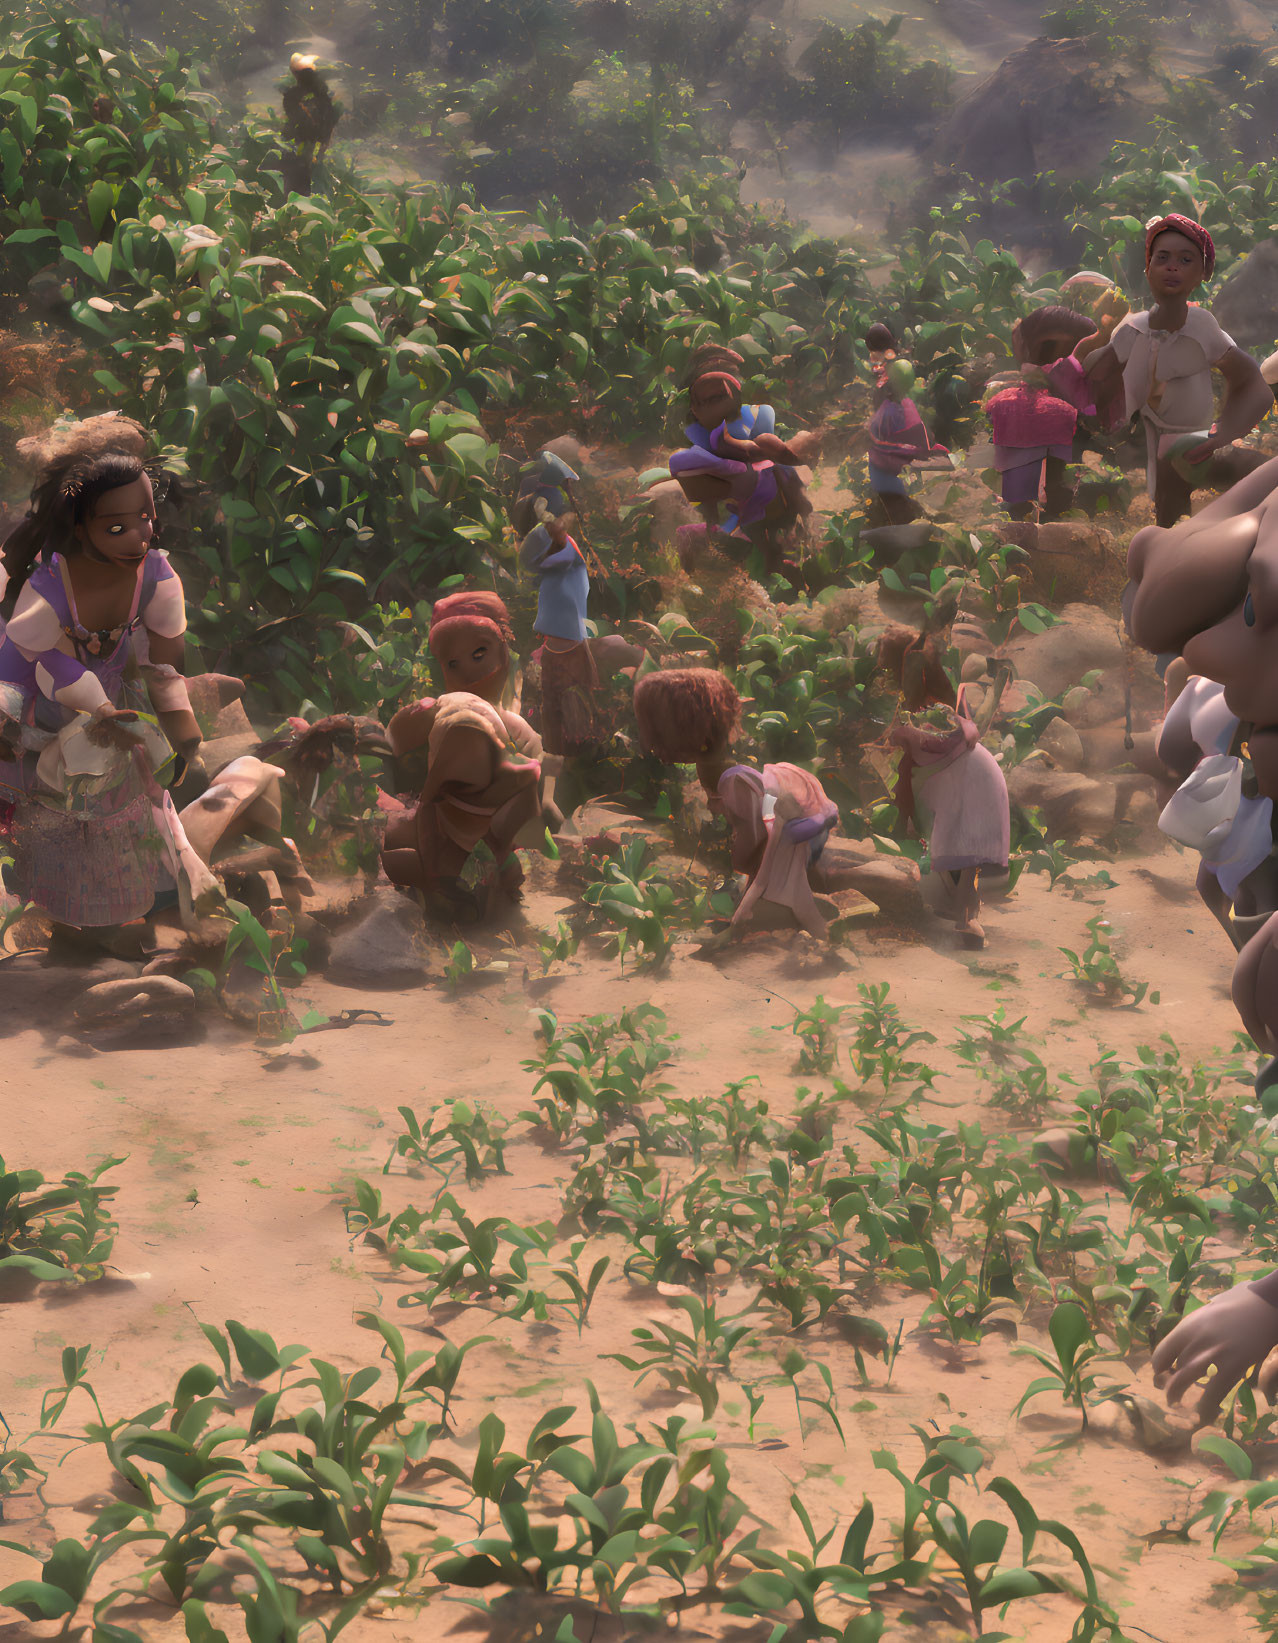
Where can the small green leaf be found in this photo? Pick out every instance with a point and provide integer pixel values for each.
(1234, 1456)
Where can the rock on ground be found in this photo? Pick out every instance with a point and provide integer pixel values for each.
(387, 946)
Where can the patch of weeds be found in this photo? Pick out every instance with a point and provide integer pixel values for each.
(880, 1046)
(596, 1072)
(817, 1029)
(1018, 1081)
(645, 908)
(690, 1359)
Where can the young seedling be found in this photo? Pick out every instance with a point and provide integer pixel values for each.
(1070, 1367)
(463, 967)
(690, 1359)
(454, 1132)
(881, 1044)
(817, 1029)
(730, 1121)
(580, 1294)
(558, 947)
(1098, 970)
(976, 1550)
(597, 1071)
(645, 908)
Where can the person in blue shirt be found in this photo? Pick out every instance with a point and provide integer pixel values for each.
(573, 721)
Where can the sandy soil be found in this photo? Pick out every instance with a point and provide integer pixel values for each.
(228, 1208)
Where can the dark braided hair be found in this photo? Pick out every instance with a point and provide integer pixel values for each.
(1038, 331)
(77, 465)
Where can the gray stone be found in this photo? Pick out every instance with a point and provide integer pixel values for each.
(387, 946)
(133, 1000)
(892, 883)
(1049, 106)
(216, 701)
(570, 450)
(1244, 304)
(1081, 640)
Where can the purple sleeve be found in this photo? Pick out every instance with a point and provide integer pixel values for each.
(64, 670)
(537, 555)
(889, 419)
(35, 631)
(569, 554)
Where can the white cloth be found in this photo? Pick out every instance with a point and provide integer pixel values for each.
(1209, 812)
(1200, 714)
(1172, 367)
(1202, 809)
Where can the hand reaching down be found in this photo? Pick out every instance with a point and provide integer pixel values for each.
(1232, 1334)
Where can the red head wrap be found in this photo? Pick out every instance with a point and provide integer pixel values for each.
(1174, 223)
(716, 380)
(486, 608)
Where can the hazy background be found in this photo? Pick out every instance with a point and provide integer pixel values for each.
(854, 118)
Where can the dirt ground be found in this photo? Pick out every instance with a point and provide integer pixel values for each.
(229, 1208)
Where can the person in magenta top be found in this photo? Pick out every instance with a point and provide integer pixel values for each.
(897, 434)
(1035, 419)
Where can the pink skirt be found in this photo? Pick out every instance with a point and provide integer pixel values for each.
(84, 868)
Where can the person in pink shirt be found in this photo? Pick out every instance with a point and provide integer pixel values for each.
(1034, 420)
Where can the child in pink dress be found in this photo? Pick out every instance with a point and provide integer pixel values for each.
(960, 788)
(1035, 419)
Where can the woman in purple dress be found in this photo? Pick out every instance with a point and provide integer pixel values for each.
(92, 613)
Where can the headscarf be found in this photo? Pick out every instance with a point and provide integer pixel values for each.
(1174, 223)
(460, 618)
(476, 606)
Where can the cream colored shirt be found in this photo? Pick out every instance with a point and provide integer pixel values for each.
(1167, 374)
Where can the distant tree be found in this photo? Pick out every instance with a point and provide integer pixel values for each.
(864, 77)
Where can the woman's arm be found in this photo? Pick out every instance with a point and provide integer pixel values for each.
(162, 654)
(766, 447)
(1104, 368)
(169, 694)
(1232, 1334)
(549, 546)
(1104, 372)
(1248, 399)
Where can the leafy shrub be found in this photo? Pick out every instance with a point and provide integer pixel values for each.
(56, 1233)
